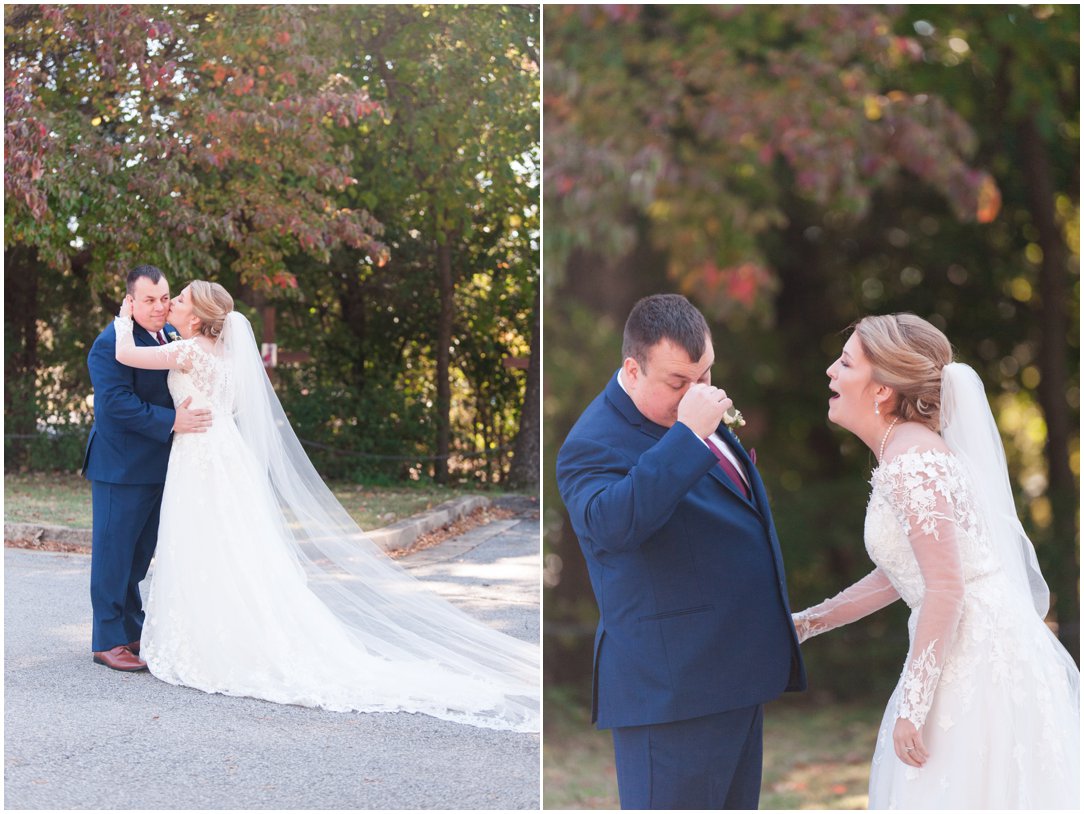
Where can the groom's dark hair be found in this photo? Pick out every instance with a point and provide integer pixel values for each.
(664, 316)
(150, 272)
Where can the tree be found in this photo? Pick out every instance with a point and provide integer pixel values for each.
(698, 118)
(167, 131)
(168, 135)
(452, 164)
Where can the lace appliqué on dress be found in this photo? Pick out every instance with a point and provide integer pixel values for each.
(917, 688)
(928, 494)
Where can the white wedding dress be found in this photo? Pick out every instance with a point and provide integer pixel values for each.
(993, 692)
(263, 587)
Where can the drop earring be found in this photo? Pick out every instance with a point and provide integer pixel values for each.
(876, 407)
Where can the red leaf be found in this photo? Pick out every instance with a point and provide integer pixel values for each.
(989, 201)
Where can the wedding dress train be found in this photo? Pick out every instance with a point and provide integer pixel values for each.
(264, 587)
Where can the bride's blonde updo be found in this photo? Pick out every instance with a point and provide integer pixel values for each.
(210, 302)
(907, 354)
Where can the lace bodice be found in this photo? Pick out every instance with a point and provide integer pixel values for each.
(925, 494)
(931, 550)
(206, 379)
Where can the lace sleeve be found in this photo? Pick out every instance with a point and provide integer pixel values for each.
(921, 492)
(175, 355)
(869, 594)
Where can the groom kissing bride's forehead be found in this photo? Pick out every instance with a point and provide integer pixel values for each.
(694, 632)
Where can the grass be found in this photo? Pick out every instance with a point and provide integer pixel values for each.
(49, 498)
(815, 756)
(63, 499)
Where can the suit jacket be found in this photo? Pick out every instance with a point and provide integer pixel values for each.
(688, 575)
(133, 416)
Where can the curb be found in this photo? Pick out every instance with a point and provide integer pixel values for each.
(398, 535)
(403, 533)
(37, 534)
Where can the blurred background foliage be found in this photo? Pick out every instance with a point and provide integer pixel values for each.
(791, 169)
(369, 173)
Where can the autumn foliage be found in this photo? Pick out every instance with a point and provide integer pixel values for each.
(168, 133)
(700, 117)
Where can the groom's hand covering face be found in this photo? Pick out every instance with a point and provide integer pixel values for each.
(150, 306)
(657, 387)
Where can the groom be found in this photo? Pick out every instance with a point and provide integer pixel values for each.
(695, 632)
(126, 461)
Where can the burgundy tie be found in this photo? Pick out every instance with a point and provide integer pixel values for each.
(728, 468)
(161, 339)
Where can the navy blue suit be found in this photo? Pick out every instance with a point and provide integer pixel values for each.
(694, 618)
(126, 459)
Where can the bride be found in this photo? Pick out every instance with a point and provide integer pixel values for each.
(986, 713)
(264, 586)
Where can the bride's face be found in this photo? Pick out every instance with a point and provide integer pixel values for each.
(853, 389)
(181, 316)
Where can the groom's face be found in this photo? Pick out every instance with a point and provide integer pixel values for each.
(657, 387)
(151, 306)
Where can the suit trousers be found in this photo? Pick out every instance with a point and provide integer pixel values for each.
(711, 762)
(124, 536)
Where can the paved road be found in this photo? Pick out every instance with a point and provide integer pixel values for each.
(77, 735)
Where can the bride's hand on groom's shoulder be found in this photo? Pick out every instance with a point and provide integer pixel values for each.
(907, 739)
(126, 307)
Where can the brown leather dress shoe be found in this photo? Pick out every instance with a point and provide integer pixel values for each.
(134, 646)
(121, 658)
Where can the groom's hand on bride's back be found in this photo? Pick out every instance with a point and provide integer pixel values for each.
(701, 408)
(191, 420)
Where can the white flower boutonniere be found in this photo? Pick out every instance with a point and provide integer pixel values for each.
(173, 336)
(733, 418)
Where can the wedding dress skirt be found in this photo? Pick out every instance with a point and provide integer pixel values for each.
(1002, 727)
(232, 609)
(1002, 731)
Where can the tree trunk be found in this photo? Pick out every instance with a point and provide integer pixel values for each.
(1053, 274)
(20, 340)
(444, 342)
(525, 452)
(351, 290)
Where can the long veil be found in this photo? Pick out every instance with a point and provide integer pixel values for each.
(969, 430)
(385, 610)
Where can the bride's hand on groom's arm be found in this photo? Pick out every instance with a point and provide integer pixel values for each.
(802, 627)
(907, 739)
(191, 420)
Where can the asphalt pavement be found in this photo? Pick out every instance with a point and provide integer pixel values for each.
(78, 735)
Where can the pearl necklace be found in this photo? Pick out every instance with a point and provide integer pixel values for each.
(884, 438)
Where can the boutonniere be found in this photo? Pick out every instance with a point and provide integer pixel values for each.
(173, 336)
(733, 418)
